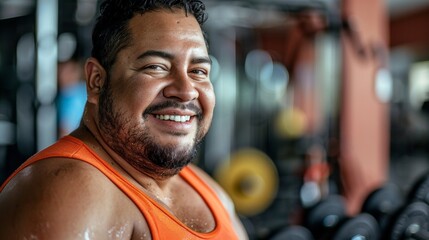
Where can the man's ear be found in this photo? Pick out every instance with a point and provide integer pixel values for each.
(95, 77)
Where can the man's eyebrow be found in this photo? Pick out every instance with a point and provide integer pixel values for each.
(201, 60)
(154, 53)
(166, 55)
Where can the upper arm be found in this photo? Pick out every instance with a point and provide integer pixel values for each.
(45, 201)
(226, 201)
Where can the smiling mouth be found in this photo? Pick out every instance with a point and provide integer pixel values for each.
(174, 118)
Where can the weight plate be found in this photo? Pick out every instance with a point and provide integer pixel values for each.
(250, 178)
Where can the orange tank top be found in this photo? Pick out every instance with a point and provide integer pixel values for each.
(162, 224)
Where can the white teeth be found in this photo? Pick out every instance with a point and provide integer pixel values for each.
(176, 118)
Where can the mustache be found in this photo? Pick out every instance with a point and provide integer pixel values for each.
(173, 104)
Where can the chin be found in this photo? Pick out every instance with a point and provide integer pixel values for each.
(178, 141)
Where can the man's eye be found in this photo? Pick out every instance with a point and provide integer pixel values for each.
(199, 72)
(154, 67)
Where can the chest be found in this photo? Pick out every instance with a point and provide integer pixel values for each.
(194, 213)
(189, 207)
(183, 214)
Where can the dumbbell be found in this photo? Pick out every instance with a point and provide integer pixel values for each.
(324, 217)
(411, 223)
(383, 203)
(294, 232)
(361, 227)
(420, 190)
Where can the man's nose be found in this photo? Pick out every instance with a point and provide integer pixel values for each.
(182, 87)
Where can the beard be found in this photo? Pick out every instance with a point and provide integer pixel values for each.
(133, 141)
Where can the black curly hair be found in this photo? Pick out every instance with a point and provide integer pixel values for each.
(111, 33)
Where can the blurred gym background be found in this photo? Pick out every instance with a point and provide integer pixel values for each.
(321, 128)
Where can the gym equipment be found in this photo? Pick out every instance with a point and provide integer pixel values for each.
(383, 203)
(324, 218)
(412, 223)
(310, 194)
(294, 232)
(291, 123)
(420, 190)
(361, 227)
(316, 176)
(250, 178)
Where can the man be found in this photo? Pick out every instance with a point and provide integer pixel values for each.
(124, 173)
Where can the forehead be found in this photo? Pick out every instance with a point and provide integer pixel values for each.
(165, 26)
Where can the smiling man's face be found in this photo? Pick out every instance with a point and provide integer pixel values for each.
(158, 101)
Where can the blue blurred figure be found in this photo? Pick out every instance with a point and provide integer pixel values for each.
(71, 95)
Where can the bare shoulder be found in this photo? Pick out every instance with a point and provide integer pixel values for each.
(62, 198)
(224, 198)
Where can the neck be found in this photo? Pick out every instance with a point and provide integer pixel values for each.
(145, 174)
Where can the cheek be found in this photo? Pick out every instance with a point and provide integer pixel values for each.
(136, 96)
(128, 98)
(207, 100)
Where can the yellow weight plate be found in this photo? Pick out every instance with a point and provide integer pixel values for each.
(291, 123)
(250, 178)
